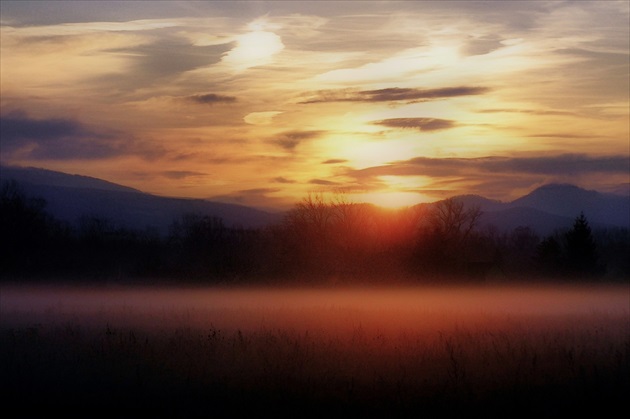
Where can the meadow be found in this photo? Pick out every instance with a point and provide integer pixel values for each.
(448, 351)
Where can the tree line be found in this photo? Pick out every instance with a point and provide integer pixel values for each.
(322, 238)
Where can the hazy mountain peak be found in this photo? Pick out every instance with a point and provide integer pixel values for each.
(483, 203)
(44, 177)
(570, 200)
(562, 188)
(557, 194)
(71, 197)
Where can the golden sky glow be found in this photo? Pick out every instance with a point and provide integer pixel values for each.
(260, 103)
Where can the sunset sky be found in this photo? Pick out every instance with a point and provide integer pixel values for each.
(260, 103)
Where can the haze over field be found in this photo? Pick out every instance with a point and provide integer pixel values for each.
(259, 103)
(310, 352)
(250, 308)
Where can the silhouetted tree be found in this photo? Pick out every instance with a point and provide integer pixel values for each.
(322, 237)
(197, 243)
(33, 241)
(307, 235)
(613, 248)
(24, 228)
(452, 220)
(520, 250)
(333, 237)
(549, 258)
(443, 236)
(581, 248)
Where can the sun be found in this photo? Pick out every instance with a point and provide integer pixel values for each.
(392, 199)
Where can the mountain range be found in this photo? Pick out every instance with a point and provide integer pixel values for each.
(553, 206)
(70, 197)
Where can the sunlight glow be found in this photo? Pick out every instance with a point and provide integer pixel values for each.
(254, 49)
(375, 153)
(392, 200)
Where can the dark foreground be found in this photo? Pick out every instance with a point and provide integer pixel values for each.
(359, 355)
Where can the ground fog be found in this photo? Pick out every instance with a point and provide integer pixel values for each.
(252, 308)
(542, 350)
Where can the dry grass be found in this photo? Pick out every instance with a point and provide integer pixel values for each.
(313, 361)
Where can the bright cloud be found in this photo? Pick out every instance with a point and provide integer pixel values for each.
(253, 49)
(261, 118)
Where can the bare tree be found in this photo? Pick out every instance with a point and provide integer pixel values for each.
(311, 216)
(452, 220)
(443, 240)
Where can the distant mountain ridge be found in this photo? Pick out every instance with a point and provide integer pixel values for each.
(69, 197)
(553, 206)
(564, 199)
(46, 177)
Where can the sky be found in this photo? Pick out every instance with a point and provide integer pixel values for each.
(263, 103)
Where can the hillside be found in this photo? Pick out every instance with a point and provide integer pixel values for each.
(551, 207)
(569, 200)
(70, 197)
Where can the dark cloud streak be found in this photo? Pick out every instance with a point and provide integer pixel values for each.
(258, 191)
(563, 164)
(211, 98)
(173, 55)
(64, 139)
(322, 182)
(182, 174)
(291, 139)
(528, 111)
(17, 127)
(281, 179)
(393, 94)
(422, 124)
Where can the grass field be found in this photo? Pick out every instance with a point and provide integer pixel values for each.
(403, 352)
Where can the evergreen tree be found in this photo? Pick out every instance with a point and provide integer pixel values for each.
(581, 248)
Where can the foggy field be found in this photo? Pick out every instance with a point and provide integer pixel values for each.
(492, 350)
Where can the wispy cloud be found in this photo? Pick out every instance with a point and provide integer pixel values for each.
(282, 179)
(560, 135)
(258, 191)
(211, 98)
(154, 62)
(492, 176)
(560, 164)
(67, 139)
(57, 139)
(17, 127)
(322, 182)
(542, 165)
(257, 197)
(291, 139)
(527, 111)
(422, 124)
(393, 94)
(182, 174)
